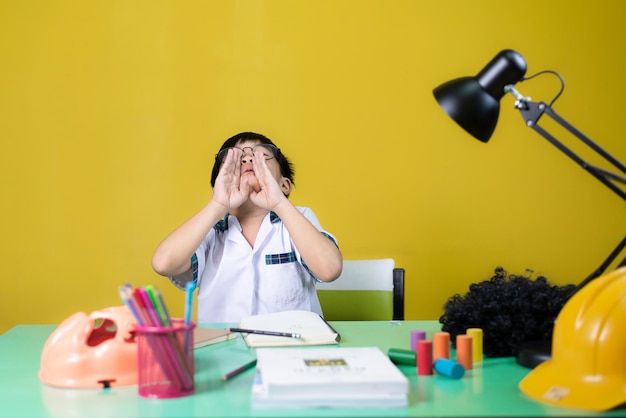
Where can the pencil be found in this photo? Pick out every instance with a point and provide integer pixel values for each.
(257, 331)
(239, 370)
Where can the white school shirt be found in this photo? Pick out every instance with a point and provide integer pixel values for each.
(236, 280)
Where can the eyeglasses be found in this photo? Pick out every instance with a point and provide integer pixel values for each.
(269, 151)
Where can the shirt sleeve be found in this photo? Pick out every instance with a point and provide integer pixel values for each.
(308, 214)
(198, 261)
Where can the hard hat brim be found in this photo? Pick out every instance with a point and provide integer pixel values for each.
(549, 384)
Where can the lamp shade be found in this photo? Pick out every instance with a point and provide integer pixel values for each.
(474, 102)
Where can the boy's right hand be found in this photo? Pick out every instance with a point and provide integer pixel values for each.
(229, 191)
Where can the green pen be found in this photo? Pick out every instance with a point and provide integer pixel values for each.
(159, 306)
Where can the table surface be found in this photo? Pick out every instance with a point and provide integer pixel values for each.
(489, 389)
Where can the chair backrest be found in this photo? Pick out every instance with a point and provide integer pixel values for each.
(366, 290)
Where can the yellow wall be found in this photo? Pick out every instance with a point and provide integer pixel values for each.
(111, 112)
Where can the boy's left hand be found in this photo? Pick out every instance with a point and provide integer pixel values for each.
(269, 195)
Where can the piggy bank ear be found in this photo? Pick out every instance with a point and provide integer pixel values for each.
(91, 351)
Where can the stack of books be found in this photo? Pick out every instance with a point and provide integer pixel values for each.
(361, 377)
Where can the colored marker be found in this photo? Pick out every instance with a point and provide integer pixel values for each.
(189, 288)
(158, 307)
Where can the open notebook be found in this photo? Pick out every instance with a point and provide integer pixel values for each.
(313, 329)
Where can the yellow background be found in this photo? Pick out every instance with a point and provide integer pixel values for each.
(111, 113)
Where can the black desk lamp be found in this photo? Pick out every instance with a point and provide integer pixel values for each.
(474, 103)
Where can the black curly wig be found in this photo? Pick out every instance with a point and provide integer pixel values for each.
(510, 309)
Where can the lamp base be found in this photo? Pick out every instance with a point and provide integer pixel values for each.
(532, 353)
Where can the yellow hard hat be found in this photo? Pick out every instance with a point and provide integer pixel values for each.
(587, 369)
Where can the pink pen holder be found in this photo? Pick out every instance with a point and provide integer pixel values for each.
(165, 360)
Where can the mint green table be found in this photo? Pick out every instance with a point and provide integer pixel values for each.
(490, 389)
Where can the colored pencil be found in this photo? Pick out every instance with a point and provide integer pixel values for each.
(239, 370)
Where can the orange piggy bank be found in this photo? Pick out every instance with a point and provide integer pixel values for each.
(92, 351)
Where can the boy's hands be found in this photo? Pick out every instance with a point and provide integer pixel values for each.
(233, 190)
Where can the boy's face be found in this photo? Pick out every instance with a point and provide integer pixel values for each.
(246, 165)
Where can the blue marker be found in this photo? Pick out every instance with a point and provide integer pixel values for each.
(189, 289)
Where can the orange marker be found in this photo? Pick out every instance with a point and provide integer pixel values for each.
(441, 345)
(477, 343)
(464, 351)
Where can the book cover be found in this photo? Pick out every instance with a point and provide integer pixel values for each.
(207, 336)
(338, 377)
(312, 328)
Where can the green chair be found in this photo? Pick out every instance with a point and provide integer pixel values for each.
(366, 290)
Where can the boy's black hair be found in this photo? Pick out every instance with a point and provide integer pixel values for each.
(286, 168)
(510, 310)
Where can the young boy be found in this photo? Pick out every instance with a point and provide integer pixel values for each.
(250, 250)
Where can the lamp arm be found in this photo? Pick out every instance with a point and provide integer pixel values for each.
(605, 264)
(531, 112)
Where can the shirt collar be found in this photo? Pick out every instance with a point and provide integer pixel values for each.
(222, 225)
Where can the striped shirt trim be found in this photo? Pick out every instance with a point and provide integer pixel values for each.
(194, 268)
(222, 224)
